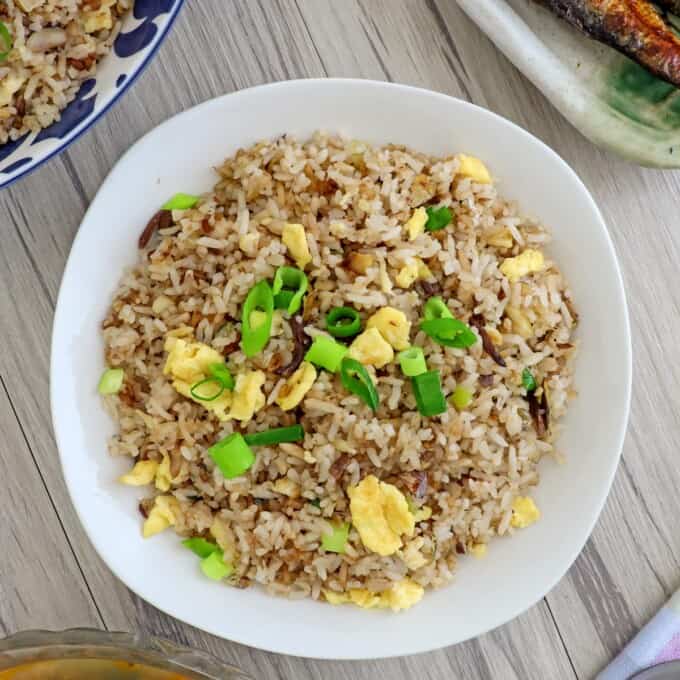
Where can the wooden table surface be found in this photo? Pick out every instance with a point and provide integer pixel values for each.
(49, 574)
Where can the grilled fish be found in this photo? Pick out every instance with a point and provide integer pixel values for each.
(634, 27)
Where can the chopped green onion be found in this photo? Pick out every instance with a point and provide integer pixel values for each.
(438, 218)
(316, 503)
(412, 361)
(278, 435)
(200, 546)
(289, 280)
(196, 392)
(232, 455)
(6, 42)
(449, 332)
(181, 202)
(283, 299)
(111, 381)
(528, 380)
(214, 566)
(461, 397)
(260, 298)
(221, 373)
(343, 322)
(356, 380)
(427, 390)
(436, 308)
(337, 539)
(326, 352)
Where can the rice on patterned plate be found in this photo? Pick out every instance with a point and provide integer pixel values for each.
(396, 477)
(55, 45)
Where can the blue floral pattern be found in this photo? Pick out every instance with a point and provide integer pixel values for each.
(142, 32)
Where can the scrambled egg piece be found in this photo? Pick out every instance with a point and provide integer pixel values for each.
(248, 397)
(97, 20)
(9, 85)
(188, 363)
(162, 515)
(370, 348)
(500, 239)
(392, 325)
(421, 514)
(143, 473)
(380, 514)
(163, 476)
(248, 243)
(478, 550)
(527, 262)
(407, 275)
(416, 225)
(472, 167)
(402, 595)
(524, 512)
(295, 239)
(411, 554)
(520, 322)
(295, 388)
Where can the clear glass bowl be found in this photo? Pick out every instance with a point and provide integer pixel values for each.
(134, 649)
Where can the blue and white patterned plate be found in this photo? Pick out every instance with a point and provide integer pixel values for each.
(142, 32)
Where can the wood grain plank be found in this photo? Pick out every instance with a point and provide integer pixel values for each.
(36, 563)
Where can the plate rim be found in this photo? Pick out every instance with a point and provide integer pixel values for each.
(271, 645)
(84, 126)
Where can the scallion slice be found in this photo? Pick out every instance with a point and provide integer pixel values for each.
(461, 397)
(436, 308)
(412, 361)
(528, 380)
(202, 392)
(111, 381)
(6, 42)
(427, 389)
(232, 455)
(336, 541)
(181, 202)
(200, 546)
(343, 322)
(260, 298)
(355, 379)
(214, 566)
(278, 435)
(290, 286)
(438, 218)
(326, 352)
(449, 332)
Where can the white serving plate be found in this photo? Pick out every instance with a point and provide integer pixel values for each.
(486, 593)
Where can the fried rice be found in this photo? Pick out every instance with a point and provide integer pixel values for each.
(466, 474)
(56, 46)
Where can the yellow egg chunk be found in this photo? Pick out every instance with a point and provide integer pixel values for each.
(524, 512)
(295, 388)
(514, 268)
(416, 224)
(247, 397)
(142, 473)
(520, 322)
(188, 363)
(370, 348)
(163, 476)
(472, 167)
(421, 514)
(407, 275)
(295, 239)
(162, 515)
(392, 325)
(411, 555)
(97, 20)
(380, 514)
(478, 550)
(402, 595)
